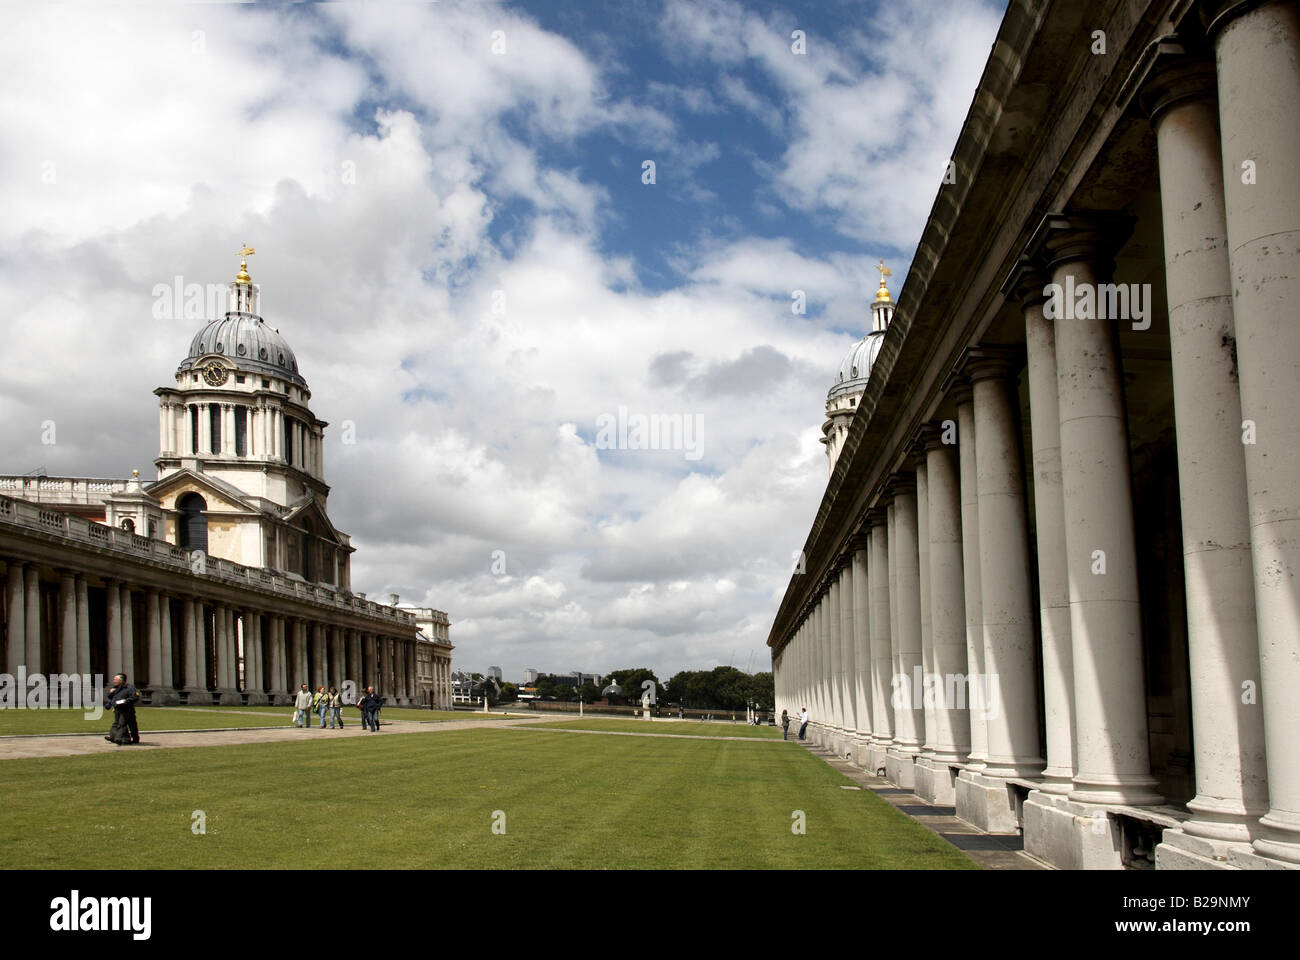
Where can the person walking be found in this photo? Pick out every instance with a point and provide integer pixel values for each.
(370, 705)
(803, 722)
(320, 705)
(336, 708)
(122, 698)
(302, 706)
(785, 725)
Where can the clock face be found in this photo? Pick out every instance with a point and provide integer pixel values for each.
(215, 374)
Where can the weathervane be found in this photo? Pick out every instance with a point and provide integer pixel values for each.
(244, 254)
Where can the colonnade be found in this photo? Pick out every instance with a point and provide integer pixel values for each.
(182, 646)
(997, 665)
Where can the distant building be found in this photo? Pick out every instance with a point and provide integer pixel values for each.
(494, 673)
(530, 675)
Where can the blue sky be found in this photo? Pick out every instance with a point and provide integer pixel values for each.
(458, 244)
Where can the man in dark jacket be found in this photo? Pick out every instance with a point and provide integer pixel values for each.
(122, 697)
(370, 704)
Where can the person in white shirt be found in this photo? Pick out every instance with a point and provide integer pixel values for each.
(803, 721)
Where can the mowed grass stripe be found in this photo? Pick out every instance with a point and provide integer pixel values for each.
(677, 727)
(427, 802)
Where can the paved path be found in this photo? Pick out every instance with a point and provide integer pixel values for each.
(647, 733)
(993, 851)
(72, 745)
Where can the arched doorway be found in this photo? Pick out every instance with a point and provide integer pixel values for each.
(192, 524)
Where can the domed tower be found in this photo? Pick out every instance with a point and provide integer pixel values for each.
(843, 398)
(240, 466)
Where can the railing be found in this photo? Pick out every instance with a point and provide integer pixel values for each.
(70, 490)
(21, 513)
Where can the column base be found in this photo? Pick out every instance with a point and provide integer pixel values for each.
(279, 699)
(229, 698)
(258, 699)
(900, 767)
(1071, 835)
(861, 751)
(936, 781)
(194, 697)
(988, 803)
(162, 696)
(877, 750)
(1179, 850)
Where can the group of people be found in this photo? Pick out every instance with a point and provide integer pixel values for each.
(328, 704)
(122, 697)
(785, 723)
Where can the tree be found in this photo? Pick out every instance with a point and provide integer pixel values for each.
(509, 692)
(631, 680)
(589, 692)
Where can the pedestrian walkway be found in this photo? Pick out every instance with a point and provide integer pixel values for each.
(989, 850)
(72, 745)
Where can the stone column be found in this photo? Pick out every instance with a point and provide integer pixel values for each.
(862, 647)
(166, 674)
(32, 610)
(153, 643)
(340, 663)
(1257, 47)
(970, 551)
(1006, 592)
(205, 429)
(190, 646)
(1223, 651)
(909, 714)
(83, 626)
(1027, 286)
(951, 741)
(113, 613)
(882, 656)
(834, 671)
(67, 625)
(1112, 762)
(927, 642)
(848, 667)
(128, 635)
(16, 618)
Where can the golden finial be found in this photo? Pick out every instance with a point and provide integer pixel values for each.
(244, 254)
(883, 293)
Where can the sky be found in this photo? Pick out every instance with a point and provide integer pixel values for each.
(500, 238)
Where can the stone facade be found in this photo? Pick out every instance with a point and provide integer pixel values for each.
(1052, 581)
(223, 580)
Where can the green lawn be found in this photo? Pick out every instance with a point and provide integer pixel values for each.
(14, 722)
(693, 728)
(428, 800)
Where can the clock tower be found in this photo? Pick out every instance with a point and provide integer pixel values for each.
(240, 462)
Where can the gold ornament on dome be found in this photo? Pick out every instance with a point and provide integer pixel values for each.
(883, 292)
(244, 254)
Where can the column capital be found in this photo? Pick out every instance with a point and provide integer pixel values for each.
(992, 362)
(1063, 238)
(1174, 75)
(858, 541)
(1025, 282)
(1217, 14)
(957, 386)
(902, 484)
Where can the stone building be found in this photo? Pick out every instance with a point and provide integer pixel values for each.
(1053, 577)
(224, 579)
(433, 657)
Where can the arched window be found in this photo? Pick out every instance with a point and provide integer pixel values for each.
(192, 524)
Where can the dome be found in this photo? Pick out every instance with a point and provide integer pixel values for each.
(249, 343)
(857, 364)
